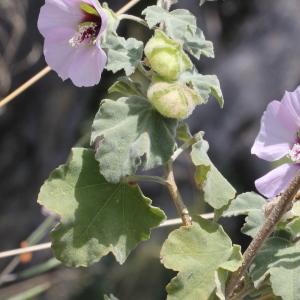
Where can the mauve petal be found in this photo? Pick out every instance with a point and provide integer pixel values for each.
(59, 14)
(277, 180)
(87, 66)
(290, 110)
(274, 140)
(59, 57)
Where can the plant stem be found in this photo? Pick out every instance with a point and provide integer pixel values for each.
(157, 179)
(175, 195)
(268, 227)
(194, 139)
(133, 18)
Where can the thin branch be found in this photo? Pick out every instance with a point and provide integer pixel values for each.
(20, 251)
(47, 69)
(176, 197)
(268, 227)
(127, 7)
(25, 86)
(45, 246)
(186, 145)
(134, 19)
(134, 178)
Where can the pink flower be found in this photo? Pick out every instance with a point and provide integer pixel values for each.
(279, 137)
(72, 31)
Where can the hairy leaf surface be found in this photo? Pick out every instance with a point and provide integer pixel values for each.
(130, 134)
(97, 217)
(196, 252)
(217, 190)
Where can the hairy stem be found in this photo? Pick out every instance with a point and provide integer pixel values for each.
(268, 227)
(194, 139)
(133, 18)
(175, 195)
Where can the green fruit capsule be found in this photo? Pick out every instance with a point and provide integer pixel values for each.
(166, 56)
(173, 99)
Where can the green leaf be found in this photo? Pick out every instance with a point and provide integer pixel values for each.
(127, 87)
(296, 209)
(217, 190)
(97, 217)
(122, 53)
(294, 227)
(197, 45)
(183, 132)
(196, 252)
(130, 134)
(285, 273)
(180, 25)
(222, 274)
(205, 85)
(279, 259)
(250, 204)
(264, 259)
(245, 203)
(177, 22)
(253, 223)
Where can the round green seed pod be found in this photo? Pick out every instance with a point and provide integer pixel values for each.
(166, 56)
(173, 99)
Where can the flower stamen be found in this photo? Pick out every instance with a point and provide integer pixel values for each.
(294, 153)
(86, 34)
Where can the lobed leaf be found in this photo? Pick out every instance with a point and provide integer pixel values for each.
(180, 25)
(122, 53)
(97, 217)
(205, 85)
(245, 203)
(250, 204)
(196, 252)
(278, 258)
(130, 134)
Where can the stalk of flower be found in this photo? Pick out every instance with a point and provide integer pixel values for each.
(72, 30)
(279, 137)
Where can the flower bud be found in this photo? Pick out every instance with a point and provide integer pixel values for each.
(166, 56)
(173, 100)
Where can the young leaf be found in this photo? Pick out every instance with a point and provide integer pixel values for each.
(180, 25)
(97, 217)
(197, 45)
(222, 274)
(250, 204)
(121, 53)
(127, 87)
(253, 223)
(294, 227)
(196, 252)
(129, 134)
(245, 203)
(217, 190)
(177, 22)
(205, 85)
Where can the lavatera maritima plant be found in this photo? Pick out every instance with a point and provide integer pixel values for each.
(143, 125)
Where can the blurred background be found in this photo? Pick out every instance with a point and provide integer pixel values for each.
(257, 47)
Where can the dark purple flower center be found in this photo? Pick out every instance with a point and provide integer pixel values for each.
(89, 27)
